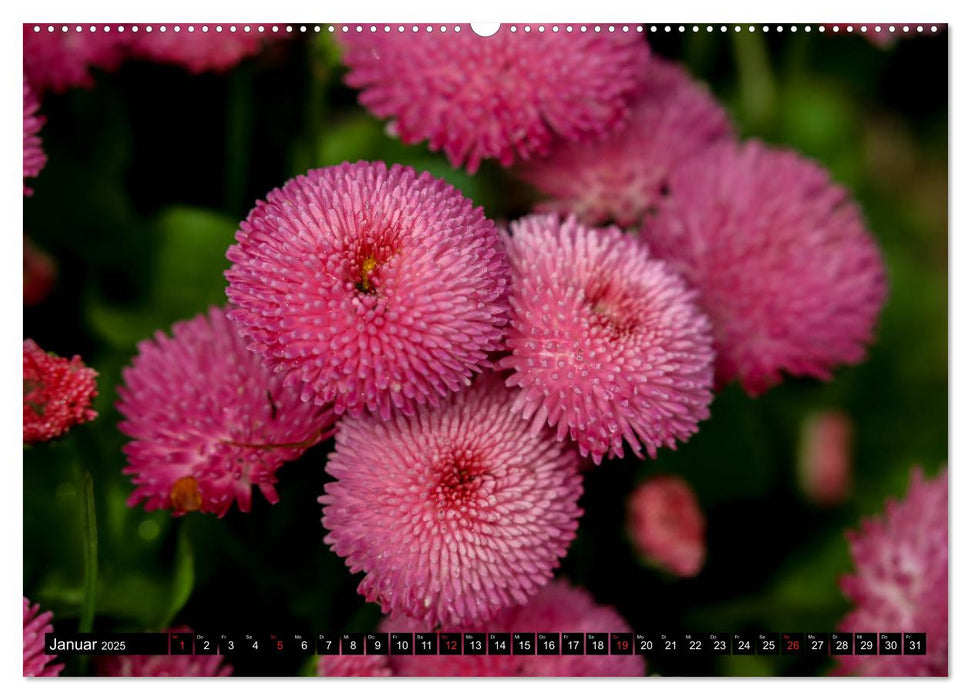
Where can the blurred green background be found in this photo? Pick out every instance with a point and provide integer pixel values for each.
(149, 174)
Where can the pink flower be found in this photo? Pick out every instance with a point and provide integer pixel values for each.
(207, 422)
(606, 342)
(667, 526)
(622, 177)
(353, 666)
(453, 513)
(40, 271)
(825, 460)
(171, 666)
(900, 582)
(506, 96)
(36, 662)
(877, 34)
(376, 287)
(789, 275)
(57, 394)
(61, 59)
(556, 608)
(34, 157)
(198, 51)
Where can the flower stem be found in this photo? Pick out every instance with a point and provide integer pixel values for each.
(89, 540)
(239, 128)
(308, 153)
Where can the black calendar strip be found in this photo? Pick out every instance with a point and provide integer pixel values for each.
(493, 643)
(142, 643)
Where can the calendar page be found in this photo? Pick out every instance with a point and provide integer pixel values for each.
(551, 349)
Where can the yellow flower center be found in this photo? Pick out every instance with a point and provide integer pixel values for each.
(185, 495)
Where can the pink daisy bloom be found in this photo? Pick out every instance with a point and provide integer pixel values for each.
(374, 287)
(667, 526)
(353, 666)
(605, 342)
(57, 394)
(207, 422)
(40, 271)
(507, 96)
(34, 157)
(622, 177)
(825, 460)
(558, 607)
(171, 666)
(786, 269)
(198, 51)
(36, 662)
(455, 512)
(900, 582)
(60, 60)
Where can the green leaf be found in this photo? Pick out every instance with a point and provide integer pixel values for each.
(187, 277)
(361, 136)
(137, 598)
(121, 327)
(759, 666)
(191, 259)
(351, 137)
(308, 669)
(818, 117)
(325, 54)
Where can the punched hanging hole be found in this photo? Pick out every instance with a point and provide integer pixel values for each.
(485, 28)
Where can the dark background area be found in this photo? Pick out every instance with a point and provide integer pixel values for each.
(149, 174)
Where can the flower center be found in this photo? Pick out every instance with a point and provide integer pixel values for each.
(364, 284)
(612, 310)
(375, 240)
(185, 495)
(460, 475)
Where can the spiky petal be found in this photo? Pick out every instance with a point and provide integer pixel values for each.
(343, 666)
(507, 96)
(785, 267)
(621, 178)
(452, 513)
(606, 343)
(57, 394)
(36, 662)
(558, 607)
(667, 526)
(376, 287)
(207, 422)
(64, 58)
(900, 581)
(825, 457)
(196, 50)
(34, 157)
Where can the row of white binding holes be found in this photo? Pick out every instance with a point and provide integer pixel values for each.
(276, 29)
